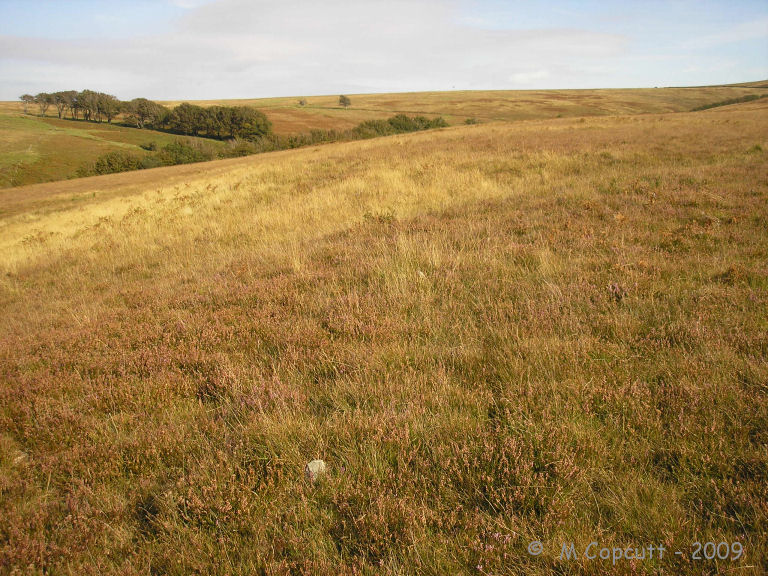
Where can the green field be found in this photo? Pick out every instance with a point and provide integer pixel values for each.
(37, 149)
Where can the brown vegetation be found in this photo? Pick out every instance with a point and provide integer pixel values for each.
(551, 330)
(324, 112)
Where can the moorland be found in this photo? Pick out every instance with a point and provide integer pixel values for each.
(550, 329)
(37, 147)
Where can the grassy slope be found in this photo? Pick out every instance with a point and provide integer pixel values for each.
(41, 150)
(35, 149)
(491, 105)
(431, 314)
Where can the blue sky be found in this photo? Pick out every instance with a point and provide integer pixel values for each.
(189, 49)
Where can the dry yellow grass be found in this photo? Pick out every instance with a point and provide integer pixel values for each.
(550, 330)
(323, 112)
(34, 149)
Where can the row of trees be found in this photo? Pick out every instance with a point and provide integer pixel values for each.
(221, 122)
(93, 106)
(191, 150)
(213, 122)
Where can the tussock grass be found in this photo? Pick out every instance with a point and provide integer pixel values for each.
(493, 334)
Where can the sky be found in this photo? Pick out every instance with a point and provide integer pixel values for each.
(212, 49)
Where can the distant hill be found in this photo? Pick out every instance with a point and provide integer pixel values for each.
(323, 112)
(35, 149)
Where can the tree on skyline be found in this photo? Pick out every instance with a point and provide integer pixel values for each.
(109, 106)
(88, 102)
(70, 101)
(344, 101)
(220, 122)
(43, 101)
(27, 99)
(65, 100)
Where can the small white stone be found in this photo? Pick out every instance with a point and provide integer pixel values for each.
(314, 469)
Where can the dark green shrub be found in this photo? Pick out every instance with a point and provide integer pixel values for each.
(150, 161)
(184, 152)
(372, 128)
(747, 98)
(237, 148)
(116, 162)
(438, 122)
(399, 124)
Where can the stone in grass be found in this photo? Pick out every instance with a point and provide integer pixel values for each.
(314, 469)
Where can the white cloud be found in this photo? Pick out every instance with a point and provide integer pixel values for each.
(242, 48)
(529, 77)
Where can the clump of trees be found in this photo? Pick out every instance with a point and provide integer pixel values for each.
(221, 122)
(92, 106)
(399, 124)
(143, 113)
(344, 101)
(190, 150)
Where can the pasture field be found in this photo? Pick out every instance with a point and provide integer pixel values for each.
(552, 330)
(34, 149)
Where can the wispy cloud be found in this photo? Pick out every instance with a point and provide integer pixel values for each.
(241, 48)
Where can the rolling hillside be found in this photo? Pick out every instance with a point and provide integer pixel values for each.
(550, 330)
(37, 149)
(34, 149)
(486, 106)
